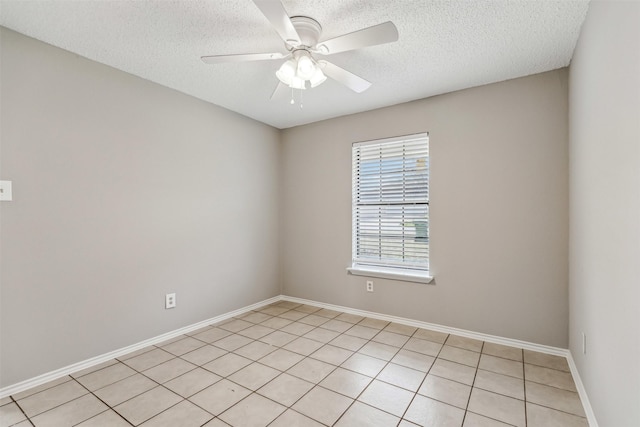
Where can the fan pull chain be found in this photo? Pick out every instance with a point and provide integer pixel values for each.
(301, 99)
(292, 101)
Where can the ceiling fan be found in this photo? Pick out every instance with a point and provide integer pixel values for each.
(301, 36)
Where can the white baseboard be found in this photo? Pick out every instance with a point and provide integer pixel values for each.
(67, 370)
(53, 375)
(582, 392)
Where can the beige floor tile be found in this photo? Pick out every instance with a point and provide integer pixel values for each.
(97, 367)
(184, 414)
(453, 371)
(148, 360)
(555, 398)
(429, 335)
(459, 355)
(501, 384)
(464, 342)
(138, 352)
(418, 345)
(5, 401)
(234, 325)
(286, 389)
(337, 325)
(475, 420)
(387, 397)
(547, 376)
(254, 411)
(51, 397)
(413, 360)
(281, 359)
(254, 376)
(293, 315)
(321, 335)
(216, 422)
(108, 418)
(348, 342)
(125, 389)
(171, 340)
(70, 413)
(288, 304)
(540, 416)
(297, 328)
(322, 405)
(274, 310)
(303, 346)
(373, 323)
(232, 342)
(203, 355)
(501, 366)
(313, 320)
(366, 365)
(169, 370)
(219, 397)
(256, 331)
(346, 382)
(192, 382)
(447, 391)
(330, 354)
(405, 423)
(277, 322)
(362, 332)
(350, 318)
(256, 350)
(10, 415)
(278, 338)
(400, 329)
(307, 308)
(391, 338)
(294, 419)
(23, 424)
(503, 351)
(311, 370)
(498, 407)
(401, 376)
(41, 387)
(227, 364)
(428, 412)
(378, 350)
(147, 405)
(325, 312)
(178, 348)
(212, 335)
(256, 317)
(361, 415)
(105, 376)
(546, 360)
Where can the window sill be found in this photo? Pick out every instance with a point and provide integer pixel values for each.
(383, 273)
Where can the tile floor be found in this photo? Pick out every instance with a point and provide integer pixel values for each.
(289, 365)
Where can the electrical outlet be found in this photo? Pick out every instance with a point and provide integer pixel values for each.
(584, 343)
(170, 301)
(369, 285)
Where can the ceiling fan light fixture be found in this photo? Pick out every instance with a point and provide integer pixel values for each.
(306, 67)
(297, 83)
(287, 71)
(318, 78)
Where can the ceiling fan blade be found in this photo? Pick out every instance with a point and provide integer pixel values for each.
(277, 15)
(350, 80)
(243, 57)
(371, 36)
(279, 90)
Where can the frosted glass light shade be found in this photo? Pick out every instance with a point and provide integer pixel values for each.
(287, 72)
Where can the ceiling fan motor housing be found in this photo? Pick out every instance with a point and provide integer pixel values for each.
(308, 29)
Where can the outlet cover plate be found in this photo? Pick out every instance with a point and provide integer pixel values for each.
(5, 191)
(170, 301)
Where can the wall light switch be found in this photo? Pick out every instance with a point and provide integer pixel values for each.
(5, 191)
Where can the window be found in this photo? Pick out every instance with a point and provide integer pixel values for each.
(391, 208)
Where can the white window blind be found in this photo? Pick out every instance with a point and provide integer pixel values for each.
(391, 203)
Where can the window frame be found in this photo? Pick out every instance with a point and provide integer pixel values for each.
(380, 268)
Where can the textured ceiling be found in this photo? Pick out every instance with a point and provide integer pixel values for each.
(444, 46)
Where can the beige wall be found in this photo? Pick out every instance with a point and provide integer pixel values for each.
(499, 210)
(123, 191)
(605, 210)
